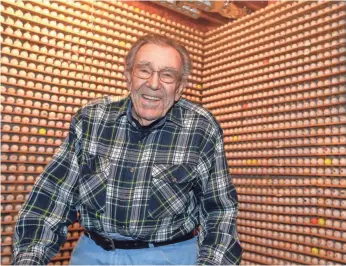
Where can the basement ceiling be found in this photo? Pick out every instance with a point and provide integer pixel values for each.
(215, 12)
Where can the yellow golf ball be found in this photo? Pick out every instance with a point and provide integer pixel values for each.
(42, 131)
(315, 250)
(235, 137)
(199, 86)
(321, 221)
(327, 161)
(122, 43)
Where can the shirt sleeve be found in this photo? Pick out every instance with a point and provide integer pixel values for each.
(218, 239)
(41, 227)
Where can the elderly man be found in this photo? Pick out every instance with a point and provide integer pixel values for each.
(142, 173)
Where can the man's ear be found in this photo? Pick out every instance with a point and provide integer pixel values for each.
(180, 90)
(128, 79)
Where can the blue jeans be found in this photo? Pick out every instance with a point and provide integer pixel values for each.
(86, 252)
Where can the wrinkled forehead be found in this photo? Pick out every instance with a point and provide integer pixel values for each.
(159, 57)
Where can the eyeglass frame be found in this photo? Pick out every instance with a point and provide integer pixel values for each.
(176, 74)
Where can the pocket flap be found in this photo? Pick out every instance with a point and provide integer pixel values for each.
(93, 164)
(178, 173)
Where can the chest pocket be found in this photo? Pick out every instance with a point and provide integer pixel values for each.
(169, 194)
(93, 182)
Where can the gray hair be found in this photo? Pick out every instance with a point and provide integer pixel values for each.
(163, 41)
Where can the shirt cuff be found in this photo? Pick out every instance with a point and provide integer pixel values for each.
(215, 255)
(206, 262)
(27, 259)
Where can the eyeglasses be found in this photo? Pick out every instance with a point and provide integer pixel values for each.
(145, 72)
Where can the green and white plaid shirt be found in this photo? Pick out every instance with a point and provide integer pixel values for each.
(152, 187)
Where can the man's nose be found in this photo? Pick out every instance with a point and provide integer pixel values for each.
(154, 81)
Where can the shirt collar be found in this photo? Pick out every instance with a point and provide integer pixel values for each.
(174, 114)
(122, 110)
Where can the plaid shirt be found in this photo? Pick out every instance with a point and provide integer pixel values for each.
(153, 187)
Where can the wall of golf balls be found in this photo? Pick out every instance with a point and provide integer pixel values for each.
(274, 79)
(276, 82)
(56, 57)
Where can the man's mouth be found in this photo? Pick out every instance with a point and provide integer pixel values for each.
(151, 98)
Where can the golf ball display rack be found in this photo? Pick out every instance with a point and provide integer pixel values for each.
(62, 36)
(276, 82)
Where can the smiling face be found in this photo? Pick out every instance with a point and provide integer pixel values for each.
(152, 97)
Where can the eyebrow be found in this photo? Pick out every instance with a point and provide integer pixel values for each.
(146, 63)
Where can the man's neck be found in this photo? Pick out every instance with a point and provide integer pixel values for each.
(141, 121)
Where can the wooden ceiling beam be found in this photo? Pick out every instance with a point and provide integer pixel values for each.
(253, 5)
(214, 18)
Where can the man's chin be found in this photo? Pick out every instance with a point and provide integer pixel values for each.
(149, 117)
